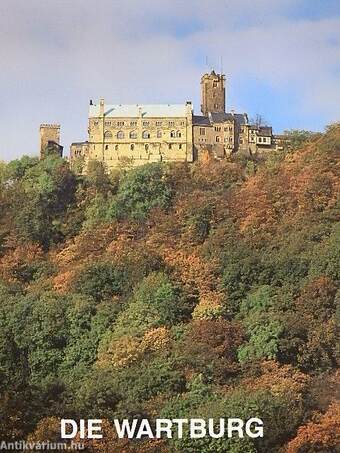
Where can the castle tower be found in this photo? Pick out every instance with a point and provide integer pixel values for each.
(212, 93)
(49, 137)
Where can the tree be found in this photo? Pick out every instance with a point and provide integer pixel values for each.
(261, 326)
(258, 120)
(320, 435)
(40, 199)
(140, 190)
(298, 137)
(101, 280)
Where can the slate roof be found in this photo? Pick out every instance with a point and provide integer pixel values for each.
(265, 131)
(80, 143)
(199, 120)
(133, 110)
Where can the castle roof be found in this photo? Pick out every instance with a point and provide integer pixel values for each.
(134, 110)
(240, 118)
(265, 131)
(199, 120)
(212, 118)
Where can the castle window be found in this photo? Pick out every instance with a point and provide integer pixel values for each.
(107, 123)
(178, 134)
(215, 84)
(217, 138)
(145, 123)
(146, 147)
(159, 134)
(108, 134)
(133, 134)
(106, 146)
(116, 147)
(182, 123)
(172, 134)
(230, 139)
(180, 146)
(120, 134)
(132, 147)
(260, 139)
(146, 134)
(171, 123)
(158, 123)
(202, 131)
(133, 123)
(120, 123)
(218, 128)
(170, 146)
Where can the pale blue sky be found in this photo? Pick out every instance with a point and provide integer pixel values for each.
(281, 57)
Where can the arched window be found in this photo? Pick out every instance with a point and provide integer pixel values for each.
(120, 134)
(146, 134)
(170, 146)
(108, 134)
(159, 134)
(132, 147)
(172, 134)
(106, 146)
(116, 147)
(133, 134)
(146, 147)
(178, 134)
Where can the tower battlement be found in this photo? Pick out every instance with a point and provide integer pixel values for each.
(52, 126)
(49, 133)
(213, 93)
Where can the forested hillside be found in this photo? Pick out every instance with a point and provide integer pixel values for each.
(205, 290)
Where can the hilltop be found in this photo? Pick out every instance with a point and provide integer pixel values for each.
(173, 290)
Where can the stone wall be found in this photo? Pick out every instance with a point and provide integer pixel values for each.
(213, 93)
(140, 140)
(48, 133)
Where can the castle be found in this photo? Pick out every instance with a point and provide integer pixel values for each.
(49, 140)
(138, 134)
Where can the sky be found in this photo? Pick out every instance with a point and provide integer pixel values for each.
(281, 59)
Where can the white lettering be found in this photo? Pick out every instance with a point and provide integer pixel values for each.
(65, 422)
(145, 429)
(258, 430)
(180, 422)
(125, 428)
(92, 428)
(238, 427)
(163, 429)
(211, 428)
(197, 428)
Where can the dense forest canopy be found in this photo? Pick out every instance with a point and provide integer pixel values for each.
(173, 290)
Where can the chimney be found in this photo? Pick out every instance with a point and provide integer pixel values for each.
(101, 106)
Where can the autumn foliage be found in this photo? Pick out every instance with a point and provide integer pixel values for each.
(171, 290)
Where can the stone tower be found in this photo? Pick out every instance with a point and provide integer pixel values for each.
(49, 137)
(212, 93)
